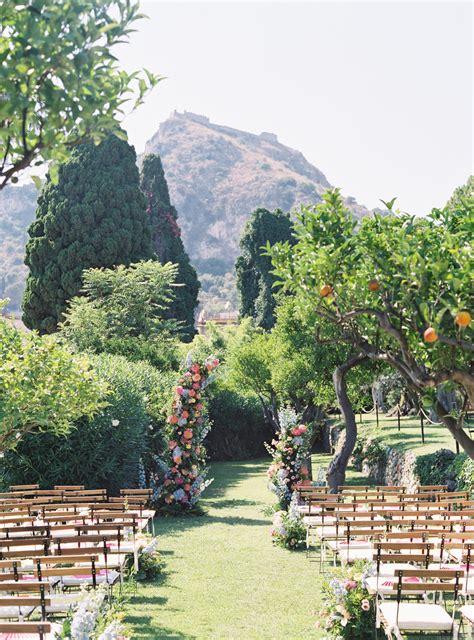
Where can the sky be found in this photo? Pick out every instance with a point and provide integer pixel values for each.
(377, 95)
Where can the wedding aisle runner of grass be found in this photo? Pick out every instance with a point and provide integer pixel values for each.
(224, 577)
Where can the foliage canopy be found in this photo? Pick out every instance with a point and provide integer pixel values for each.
(168, 245)
(43, 386)
(60, 81)
(255, 281)
(93, 217)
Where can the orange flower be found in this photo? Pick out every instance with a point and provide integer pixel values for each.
(185, 414)
(196, 377)
(173, 419)
(187, 487)
(188, 434)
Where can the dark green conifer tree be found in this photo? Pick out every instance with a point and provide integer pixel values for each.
(93, 217)
(254, 278)
(167, 243)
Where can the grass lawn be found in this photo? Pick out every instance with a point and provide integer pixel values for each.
(224, 578)
(409, 436)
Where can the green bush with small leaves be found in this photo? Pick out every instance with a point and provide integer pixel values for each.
(102, 451)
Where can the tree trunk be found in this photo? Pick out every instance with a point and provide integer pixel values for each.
(337, 469)
(270, 412)
(456, 428)
(312, 414)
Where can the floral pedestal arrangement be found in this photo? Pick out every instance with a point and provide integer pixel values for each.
(185, 461)
(289, 452)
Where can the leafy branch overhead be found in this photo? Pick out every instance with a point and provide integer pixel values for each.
(61, 83)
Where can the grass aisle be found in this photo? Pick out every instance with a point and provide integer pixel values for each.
(224, 577)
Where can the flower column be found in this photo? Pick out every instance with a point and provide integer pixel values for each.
(187, 427)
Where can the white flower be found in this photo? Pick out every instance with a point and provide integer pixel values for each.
(115, 423)
(17, 435)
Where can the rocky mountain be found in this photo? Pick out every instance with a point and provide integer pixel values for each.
(216, 176)
(17, 211)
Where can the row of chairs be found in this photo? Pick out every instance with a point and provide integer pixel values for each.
(54, 542)
(421, 544)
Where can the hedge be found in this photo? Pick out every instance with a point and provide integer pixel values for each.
(103, 451)
(238, 427)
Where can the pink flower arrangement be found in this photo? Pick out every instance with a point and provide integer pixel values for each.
(184, 481)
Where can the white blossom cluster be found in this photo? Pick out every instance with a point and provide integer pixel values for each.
(113, 631)
(87, 612)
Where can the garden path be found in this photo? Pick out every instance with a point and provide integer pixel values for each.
(224, 578)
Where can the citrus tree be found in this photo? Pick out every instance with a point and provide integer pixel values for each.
(60, 81)
(397, 289)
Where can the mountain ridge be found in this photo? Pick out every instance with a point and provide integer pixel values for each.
(217, 175)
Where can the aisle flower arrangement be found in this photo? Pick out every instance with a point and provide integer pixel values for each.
(288, 530)
(187, 425)
(288, 453)
(94, 618)
(349, 609)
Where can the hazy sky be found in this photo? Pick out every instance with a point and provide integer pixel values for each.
(377, 95)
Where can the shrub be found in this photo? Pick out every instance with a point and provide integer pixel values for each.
(434, 468)
(122, 311)
(43, 386)
(239, 430)
(461, 473)
(465, 477)
(370, 452)
(103, 451)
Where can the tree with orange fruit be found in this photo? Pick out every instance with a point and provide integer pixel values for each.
(397, 288)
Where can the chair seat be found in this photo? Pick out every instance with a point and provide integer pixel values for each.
(350, 555)
(325, 532)
(385, 584)
(15, 612)
(306, 509)
(342, 545)
(414, 616)
(389, 569)
(63, 602)
(108, 577)
(468, 612)
(125, 547)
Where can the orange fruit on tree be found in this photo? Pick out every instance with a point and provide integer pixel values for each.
(374, 285)
(325, 291)
(463, 318)
(430, 335)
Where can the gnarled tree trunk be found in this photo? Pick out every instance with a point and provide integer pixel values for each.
(337, 469)
(456, 428)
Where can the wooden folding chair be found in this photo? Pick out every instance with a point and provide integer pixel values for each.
(399, 616)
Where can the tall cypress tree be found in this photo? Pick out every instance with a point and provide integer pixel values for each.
(93, 217)
(168, 244)
(254, 278)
